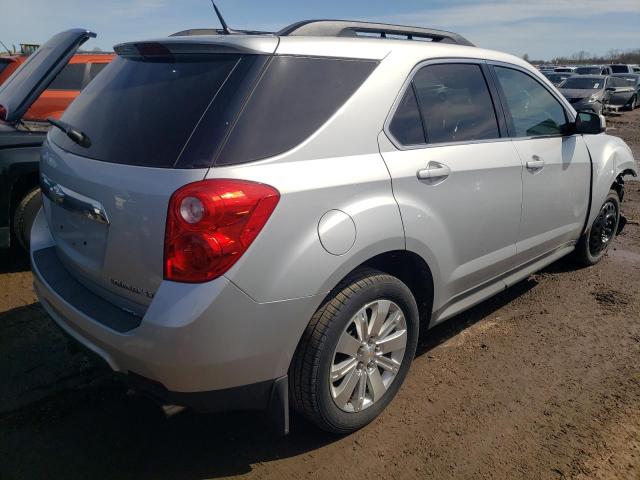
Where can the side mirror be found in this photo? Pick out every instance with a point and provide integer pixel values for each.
(590, 123)
(610, 89)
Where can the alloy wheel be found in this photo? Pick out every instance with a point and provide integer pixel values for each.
(368, 355)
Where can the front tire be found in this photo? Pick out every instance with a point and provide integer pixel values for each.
(355, 353)
(24, 216)
(598, 238)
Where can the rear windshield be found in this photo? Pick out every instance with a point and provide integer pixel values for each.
(619, 69)
(588, 70)
(141, 111)
(583, 83)
(196, 111)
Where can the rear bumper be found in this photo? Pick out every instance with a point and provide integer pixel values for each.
(192, 339)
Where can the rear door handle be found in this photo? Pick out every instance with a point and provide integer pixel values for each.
(536, 163)
(435, 172)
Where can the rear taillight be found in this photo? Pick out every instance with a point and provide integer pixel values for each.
(211, 223)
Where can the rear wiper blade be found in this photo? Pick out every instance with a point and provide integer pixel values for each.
(73, 133)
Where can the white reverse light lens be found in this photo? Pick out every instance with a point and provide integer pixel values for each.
(191, 210)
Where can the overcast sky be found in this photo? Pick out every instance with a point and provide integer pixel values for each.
(541, 28)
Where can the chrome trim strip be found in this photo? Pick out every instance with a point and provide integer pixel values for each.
(73, 201)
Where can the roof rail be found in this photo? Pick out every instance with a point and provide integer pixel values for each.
(346, 28)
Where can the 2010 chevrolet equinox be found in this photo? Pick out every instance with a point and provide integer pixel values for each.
(237, 220)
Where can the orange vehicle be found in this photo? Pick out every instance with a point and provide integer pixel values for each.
(81, 69)
(9, 64)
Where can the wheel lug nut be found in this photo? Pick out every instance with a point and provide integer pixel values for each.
(371, 364)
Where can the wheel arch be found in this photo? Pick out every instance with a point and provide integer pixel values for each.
(612, 161)
(409, 267)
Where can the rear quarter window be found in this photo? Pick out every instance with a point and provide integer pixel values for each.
(293, 99)
(69, 78)
(95, 69)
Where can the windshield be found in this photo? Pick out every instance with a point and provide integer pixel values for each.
(583, 83)
(629, 78)
(557, 77)
(587, 70)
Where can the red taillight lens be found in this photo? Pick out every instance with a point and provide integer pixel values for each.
(211, 223)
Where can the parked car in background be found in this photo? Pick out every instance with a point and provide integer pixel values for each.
(557, 78)
(565, 69)
(234, 250)
(75, 76)
(19, 144)
(636, 69)
(596, 93)
(621, 68)
(634, 81)
(593, 70)
(9, 64)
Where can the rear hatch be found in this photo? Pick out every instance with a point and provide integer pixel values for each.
(107, 202)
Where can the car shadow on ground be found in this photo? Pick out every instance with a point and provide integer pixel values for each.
(96, 430)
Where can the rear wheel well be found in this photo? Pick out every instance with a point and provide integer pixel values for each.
(413, 271)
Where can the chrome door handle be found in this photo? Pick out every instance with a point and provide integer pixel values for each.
(536, 163)
(435, 172)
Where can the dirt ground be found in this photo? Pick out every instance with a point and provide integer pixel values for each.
(540, 382)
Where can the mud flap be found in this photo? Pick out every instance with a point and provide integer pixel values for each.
(621, 224)
(278, 408)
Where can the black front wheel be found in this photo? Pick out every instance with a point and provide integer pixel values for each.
(598, 238)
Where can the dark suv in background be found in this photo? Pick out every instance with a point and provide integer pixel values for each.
(20, 143)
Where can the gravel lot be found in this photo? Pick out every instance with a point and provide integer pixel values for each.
(543, 381)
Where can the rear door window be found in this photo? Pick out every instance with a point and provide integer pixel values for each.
(69, 78)
(533, 109)
(455, 103)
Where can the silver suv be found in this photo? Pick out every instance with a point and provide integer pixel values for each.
(238, 220)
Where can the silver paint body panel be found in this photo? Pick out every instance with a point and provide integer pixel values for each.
(479, 230)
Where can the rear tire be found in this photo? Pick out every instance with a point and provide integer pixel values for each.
(24, 216)
(366, 312)
(598, 238)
